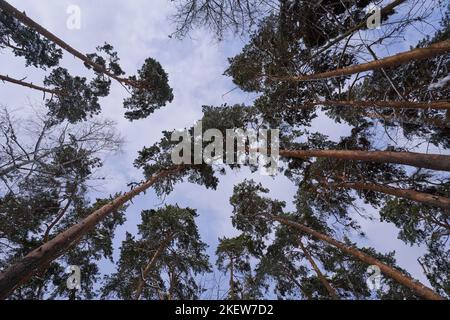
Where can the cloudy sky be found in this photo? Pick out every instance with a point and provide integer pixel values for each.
(139, 29)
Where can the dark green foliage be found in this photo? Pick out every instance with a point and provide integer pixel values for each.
(282, 47)
(414, 81)
(49, 196)
(176, 271)
(77, 99)
(233, 258)
(150, 91)
(436, 264)
(349, 275)
(315, 22)
(107, 58)
(157, 158)
(34, 210)
(311, 21)
(417, 223)
(27, 43)
(283, 266)
(249, 206)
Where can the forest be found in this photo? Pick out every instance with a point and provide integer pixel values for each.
(355, 95)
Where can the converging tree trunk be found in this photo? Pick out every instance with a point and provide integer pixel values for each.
(232, 285)
(413, 195)
(382, 104)
(433, 50)
(420, 160)
(319, 273)
(414, 285)
(23, 269)
(141, 282)
(30, 85)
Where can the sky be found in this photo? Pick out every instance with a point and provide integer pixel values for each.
(139, 29)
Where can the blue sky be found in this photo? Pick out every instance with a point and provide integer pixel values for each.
(139, 29)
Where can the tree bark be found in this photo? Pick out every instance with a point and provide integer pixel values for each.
(414, 285)
(30, 85)
(232, 286)
(319, 273)
(382, 104)
(26, 267)
(420, 160)
(413, 195)
(23, 18)
(140, 286)
(433, 50)
(57, 219)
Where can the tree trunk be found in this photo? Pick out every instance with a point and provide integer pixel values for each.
(433, 50)
(413, 195)
(23, 18)
(232, 289)
(30, 85)
(26, 267)
(140, 286)
(414, 285)
(57, 219)
(383, 104)
(319, 273)
(420, 160)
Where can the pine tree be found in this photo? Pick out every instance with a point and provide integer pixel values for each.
(49, 195)
(149, 88)
(233, 258)
(166, 260)
(249, 206)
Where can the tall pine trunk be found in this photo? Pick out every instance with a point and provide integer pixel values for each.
(420, 160)
(30, 85)
(438, 105)
(413, 195)
(436, 49)
(319, 273)
(414, 285)
(23, 269)
(232, 284)
(140, 286)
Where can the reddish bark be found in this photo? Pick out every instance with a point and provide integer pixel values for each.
(319, 273)
(420, 160)
(141, 282)
(414, 285)
(383, 104)
(413, 195)
(436, 49)
(30, 85)
(23, 269)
